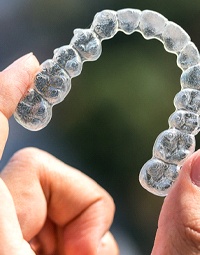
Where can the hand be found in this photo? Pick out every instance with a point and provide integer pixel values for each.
(179, 223)
(47, 207)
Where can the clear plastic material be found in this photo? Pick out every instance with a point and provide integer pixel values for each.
(174, 38)
(189, 100)
(191, 78)
(187, 122)
(86, 42)
(53, 83)
(68, 59)
(105, 24)
(152, 24)
(173, 146)
(33, 112)
(188, 57)
(157, 176)
(128, 20)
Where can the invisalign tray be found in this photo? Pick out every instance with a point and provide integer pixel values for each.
(53, 83)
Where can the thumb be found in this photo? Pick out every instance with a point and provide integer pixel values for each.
(11, 241)
(179, 223)
(15, 80)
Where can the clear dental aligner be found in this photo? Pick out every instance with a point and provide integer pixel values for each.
(173, 146)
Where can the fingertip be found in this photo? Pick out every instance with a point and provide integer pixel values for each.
(188, 175)
(179, 221)
(15, 80)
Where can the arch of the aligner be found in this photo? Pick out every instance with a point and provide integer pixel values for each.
(86, 46)
(53, 83)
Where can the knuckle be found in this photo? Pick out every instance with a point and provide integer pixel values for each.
(108, 205)
(26, 157)
(107, 199)
(111, 203)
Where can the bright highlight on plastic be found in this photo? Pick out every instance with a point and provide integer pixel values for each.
(53, 83)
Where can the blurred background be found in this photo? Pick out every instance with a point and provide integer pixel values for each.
(108, 123)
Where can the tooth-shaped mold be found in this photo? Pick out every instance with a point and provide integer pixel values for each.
(157, 176)
(53, 83)
(174, 38)
(68, 59)
(33, 112)
(128, 20)
(105, 24)
(188, 57)
(186, 122)
(173, 146)
(152, 24)
(191, 78)
(88, 45)
(189, 100)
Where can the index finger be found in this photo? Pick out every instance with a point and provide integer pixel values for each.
(15, 80)
(43, 187)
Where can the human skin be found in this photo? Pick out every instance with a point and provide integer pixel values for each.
(179, 222)
(47, 207)
(50, 208)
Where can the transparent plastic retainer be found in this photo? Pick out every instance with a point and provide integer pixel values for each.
(173, 146)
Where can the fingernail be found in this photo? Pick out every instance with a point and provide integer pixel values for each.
(195, 172)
